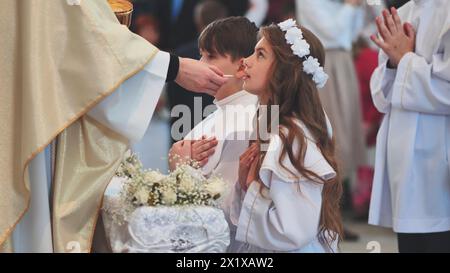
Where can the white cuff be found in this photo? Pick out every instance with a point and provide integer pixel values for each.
(250, 200)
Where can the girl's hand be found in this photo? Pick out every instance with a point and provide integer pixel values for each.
(179, 153)
(202, 149)
(397, 40)
(247, 166)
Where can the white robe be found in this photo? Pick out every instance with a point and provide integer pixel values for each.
(283, 214)
(223, 124)
(336, 24)
(257, 11)
(127, 111)
(411, 187)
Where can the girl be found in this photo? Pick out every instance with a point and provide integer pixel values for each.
(290, 191)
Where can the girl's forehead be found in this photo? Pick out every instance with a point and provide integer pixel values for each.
(264, 45)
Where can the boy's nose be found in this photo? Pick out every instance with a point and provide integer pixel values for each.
(246, 62)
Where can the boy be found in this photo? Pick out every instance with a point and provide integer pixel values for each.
(217, 142)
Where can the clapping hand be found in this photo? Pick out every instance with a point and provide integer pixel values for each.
(397, 39)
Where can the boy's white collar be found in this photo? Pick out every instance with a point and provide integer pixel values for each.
(230, 99)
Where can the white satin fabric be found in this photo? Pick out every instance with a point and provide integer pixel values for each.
(127, 111)
(283, 213)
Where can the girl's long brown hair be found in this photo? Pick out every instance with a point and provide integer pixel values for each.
(297, 96)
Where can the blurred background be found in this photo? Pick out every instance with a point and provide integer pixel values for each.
(174, 26)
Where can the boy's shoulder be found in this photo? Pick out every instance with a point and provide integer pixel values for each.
(246, 107)
(201, 128)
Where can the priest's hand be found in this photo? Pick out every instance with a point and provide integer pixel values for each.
(199, 77)
(398, 39)
(247, 166)
(202, 149)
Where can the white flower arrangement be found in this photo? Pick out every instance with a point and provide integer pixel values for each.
(289, 23)
(301, 48)
(320, 77)
(311, 65)
(185, 186)
(293, 34)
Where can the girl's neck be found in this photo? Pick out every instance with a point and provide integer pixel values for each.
(263, 99)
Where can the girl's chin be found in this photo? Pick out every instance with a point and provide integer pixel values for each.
(249, 89)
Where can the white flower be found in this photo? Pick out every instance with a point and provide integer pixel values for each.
(287, 24)
(215, 187)
(142, 196)
(320, 77)
(293, 34)
(169, 197)
(311, 65)
(300, 48)
(151, 177)
(74, 2)
(187, 184)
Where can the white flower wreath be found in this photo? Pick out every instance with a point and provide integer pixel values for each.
(301, 48)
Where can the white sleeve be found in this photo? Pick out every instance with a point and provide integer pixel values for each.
(129, 109)
(381, 84)
(286, 218)
(423, 86)
(257, 11)
(330, 20)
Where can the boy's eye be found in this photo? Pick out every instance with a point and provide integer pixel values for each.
(260, 55)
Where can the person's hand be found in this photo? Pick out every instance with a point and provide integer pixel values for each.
(202, 149)
(247, 166)
(199, 77)
(179, 153)
(353, 2)
(398, 39)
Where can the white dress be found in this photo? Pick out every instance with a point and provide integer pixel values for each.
(233, 140)
(411, 187)
(283, 214)
(127, 111)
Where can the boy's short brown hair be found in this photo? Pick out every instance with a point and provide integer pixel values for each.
(235, 36)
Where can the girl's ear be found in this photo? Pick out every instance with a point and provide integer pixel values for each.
(241, 69)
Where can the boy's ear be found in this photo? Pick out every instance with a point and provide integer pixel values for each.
(241, 69)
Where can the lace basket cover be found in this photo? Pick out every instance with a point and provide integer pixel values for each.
(187, 229)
